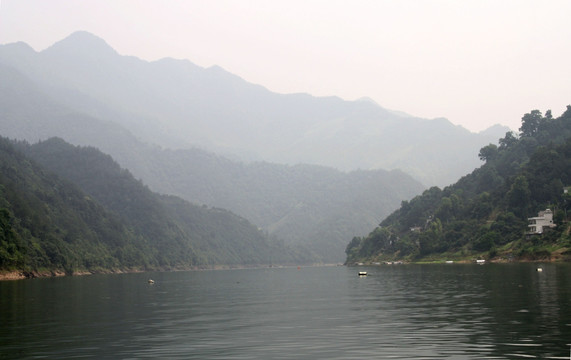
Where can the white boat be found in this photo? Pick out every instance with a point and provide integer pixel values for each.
(362, 273)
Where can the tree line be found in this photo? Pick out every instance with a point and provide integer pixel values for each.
(485, 213)
(72, 209)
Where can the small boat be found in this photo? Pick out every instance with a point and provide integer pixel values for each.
(539, 269)
(151, 281)
(362, 273)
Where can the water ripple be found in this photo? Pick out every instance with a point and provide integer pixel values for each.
(400, 312)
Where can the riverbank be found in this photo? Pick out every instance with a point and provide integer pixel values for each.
(22, 275)
(506, 255)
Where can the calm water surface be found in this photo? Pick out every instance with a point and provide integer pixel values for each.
(454, 311)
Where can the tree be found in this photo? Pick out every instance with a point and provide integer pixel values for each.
(482, 206)
(530, 123)
(486, 242)
(445, 210)
(354, 245)
(508, 141)
(353, 248)
(431, 238)
(488, 152)
(519, 196)
(548, 115)
(489, 179)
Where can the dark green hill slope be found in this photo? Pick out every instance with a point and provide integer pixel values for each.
(313, 206)
(51, 225)
(485, 213)
(305, 205)
(220, 237)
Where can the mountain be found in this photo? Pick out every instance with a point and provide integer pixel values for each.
(111, 222)
(177, 104)
(313, 206)
(496, 131)
(49, 224)
(485, 214)
(220, 237)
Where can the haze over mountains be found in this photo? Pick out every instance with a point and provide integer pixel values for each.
(176, 104)
(157, 118)
(67, 209)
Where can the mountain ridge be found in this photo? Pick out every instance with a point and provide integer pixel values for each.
(221, 112)
(117, 116)
(268, 195)
(74, 209)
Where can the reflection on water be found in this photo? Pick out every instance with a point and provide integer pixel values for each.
(397, 312)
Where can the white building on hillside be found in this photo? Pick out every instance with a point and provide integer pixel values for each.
(543, 220)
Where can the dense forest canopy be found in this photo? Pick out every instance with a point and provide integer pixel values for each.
(51, 223)
(485, 214)
(67, 209)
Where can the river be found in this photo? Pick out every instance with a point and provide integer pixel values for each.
(448, 311)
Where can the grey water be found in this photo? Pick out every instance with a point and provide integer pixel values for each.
(452, 311)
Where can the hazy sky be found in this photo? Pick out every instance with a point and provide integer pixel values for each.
(475, 62)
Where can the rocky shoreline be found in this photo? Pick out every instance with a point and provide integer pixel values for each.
(22, 275)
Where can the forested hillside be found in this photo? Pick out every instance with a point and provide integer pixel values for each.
(110, 222)
(50, 224)
(313, 206)
(220, 236)
(305, 205)
(485, 213)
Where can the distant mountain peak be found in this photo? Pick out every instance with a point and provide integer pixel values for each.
(497, 131)
(19, 53)
(19, 46)
(81, 42)
(368, 100)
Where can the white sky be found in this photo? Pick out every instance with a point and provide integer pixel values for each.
(475, 62)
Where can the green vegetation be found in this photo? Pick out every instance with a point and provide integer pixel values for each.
(308, 206)
(49, 224)
(75, 95)
(65, 209)
(485, 213)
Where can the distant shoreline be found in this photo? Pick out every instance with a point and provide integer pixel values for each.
(26, 275)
